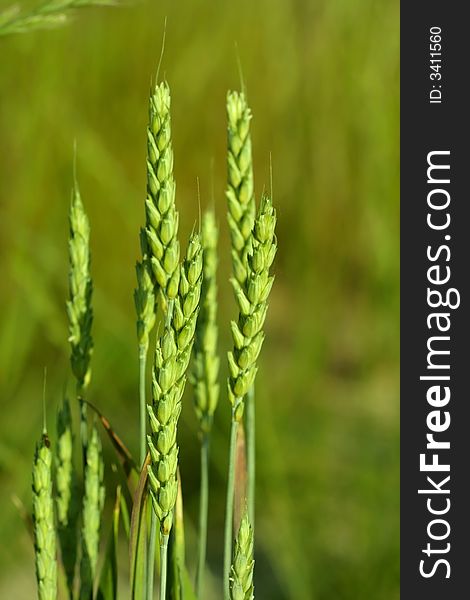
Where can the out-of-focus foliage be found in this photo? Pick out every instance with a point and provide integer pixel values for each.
(322, 81)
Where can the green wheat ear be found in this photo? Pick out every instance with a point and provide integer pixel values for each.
(93, 502)
(252, 299)
(241, 579)
(79, 305)
(240, 188)
(206, 361)
(161, 214)
(67, 493)
(172, 357)
(43, 521)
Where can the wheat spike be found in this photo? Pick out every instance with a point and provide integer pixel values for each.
(206, 361)
(93, 502)
(241, 580)
(43, 521)
(67, 493)
(172, 357)
(79, 305)
(252, 299)
(240, 188)
(161, 214)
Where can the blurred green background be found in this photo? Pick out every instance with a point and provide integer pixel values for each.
(322, 80)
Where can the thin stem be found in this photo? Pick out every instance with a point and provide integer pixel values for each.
(251, 462)
(203, 510)
(143, 407)
(151, 555)
(163, 565)
(229, 506)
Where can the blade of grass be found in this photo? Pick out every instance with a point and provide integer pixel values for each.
(108, 581)
(151, 555)
(125, 516)
(179, 584)
(228, 536)
(203, 510)
(24, 515)
(138, 536)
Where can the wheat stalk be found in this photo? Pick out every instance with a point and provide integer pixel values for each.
(43, 521)
(241, 581)
(204, 375)
(93, 502)
(172, 357)
(67, 493)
